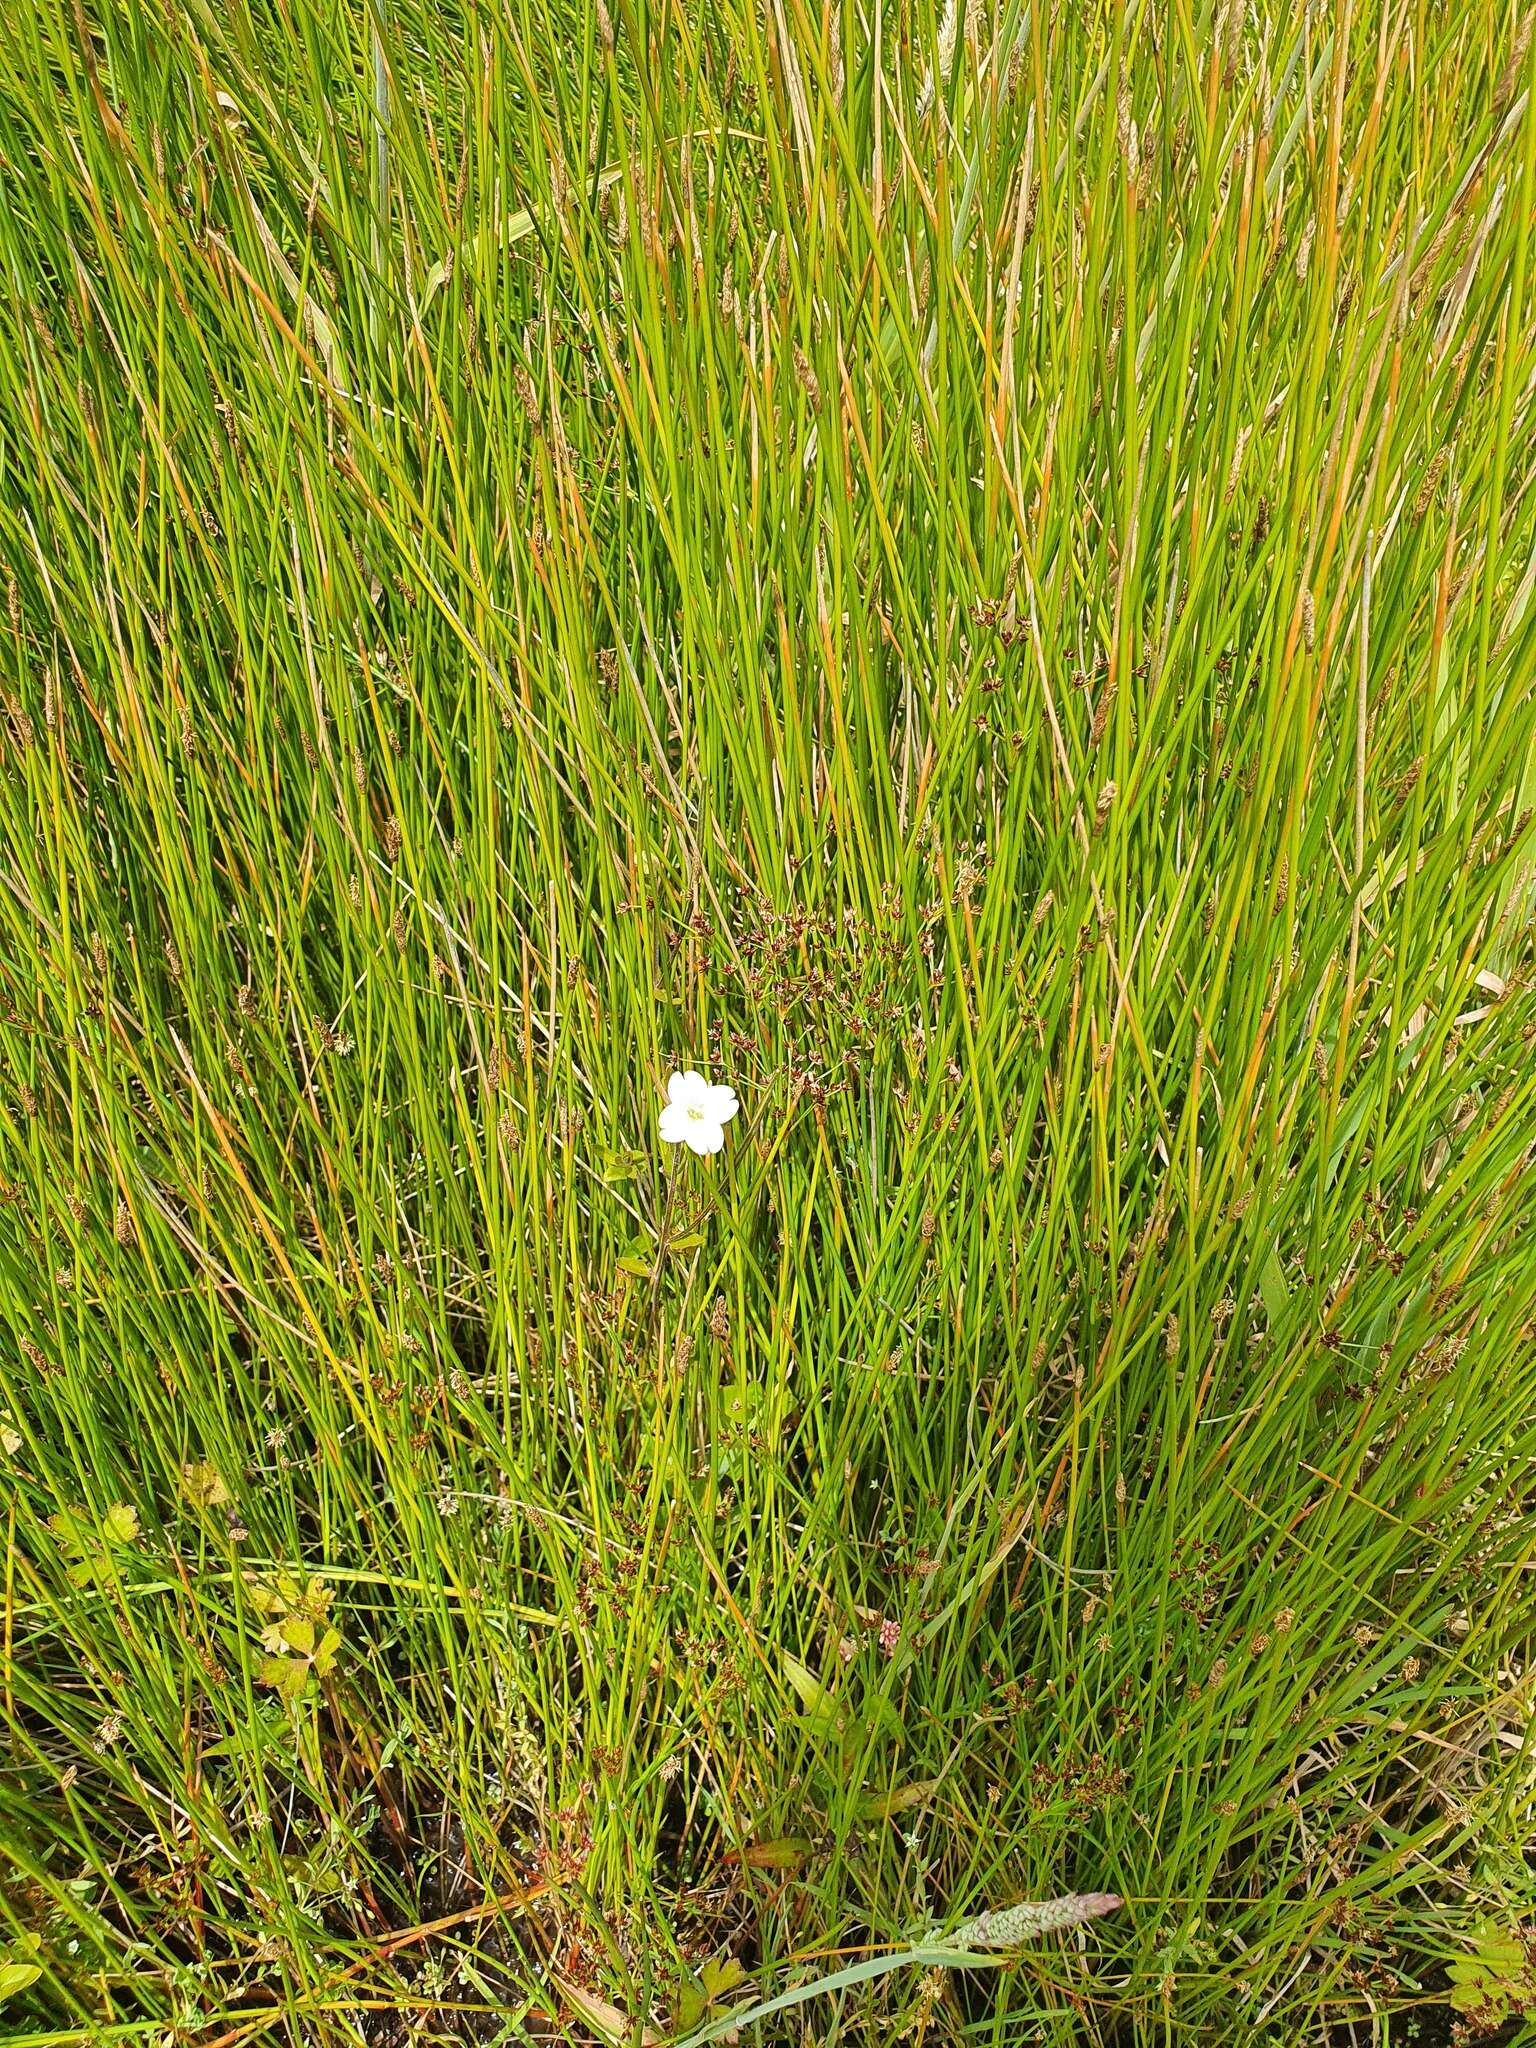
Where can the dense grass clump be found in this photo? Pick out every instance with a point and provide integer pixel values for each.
(968, 573)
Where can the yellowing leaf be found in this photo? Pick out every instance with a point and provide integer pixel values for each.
(1496, 1980)
(691, 2008)
(16, 1977)
(717, 1978)
(622, 1165)
(74, 1533)
(203, 1485)
(881, 1805)
(298, 1632)
(287, 1676)
(786, 1853)
(293, 1632)
(814, 1696)
(714, 1980)
(86, 1545)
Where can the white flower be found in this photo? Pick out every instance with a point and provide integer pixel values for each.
(696, 1114)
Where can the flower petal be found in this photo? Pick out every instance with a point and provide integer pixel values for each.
(675, 1124)
(705, 1137)
(721, 1104)
(688, 1090)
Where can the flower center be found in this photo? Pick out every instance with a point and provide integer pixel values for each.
(695, 1113)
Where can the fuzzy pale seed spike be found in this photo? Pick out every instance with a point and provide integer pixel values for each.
(1011, 1926)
